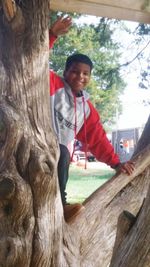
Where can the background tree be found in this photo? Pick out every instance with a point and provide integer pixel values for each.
(144, 31)
(138, 62)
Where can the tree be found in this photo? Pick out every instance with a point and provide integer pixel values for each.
(144, 30)
(139, 60)
(28, 147)
(32, 227)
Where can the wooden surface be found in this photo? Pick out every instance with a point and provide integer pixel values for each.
(133, 10)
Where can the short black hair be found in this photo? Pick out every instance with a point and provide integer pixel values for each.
(78, 58)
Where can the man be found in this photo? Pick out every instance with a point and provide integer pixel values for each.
(74, 116)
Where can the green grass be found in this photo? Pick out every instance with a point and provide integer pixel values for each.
(83, 182)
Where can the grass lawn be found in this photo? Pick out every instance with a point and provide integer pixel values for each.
(82, 182)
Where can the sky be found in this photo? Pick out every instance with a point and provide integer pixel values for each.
(135, 114)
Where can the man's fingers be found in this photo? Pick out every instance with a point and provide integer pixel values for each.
(127, 167)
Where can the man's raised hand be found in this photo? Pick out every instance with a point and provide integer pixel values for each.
(61, 26)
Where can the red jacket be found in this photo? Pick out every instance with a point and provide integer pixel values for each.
(90, 132)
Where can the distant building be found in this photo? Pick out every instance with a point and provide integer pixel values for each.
(125, 141)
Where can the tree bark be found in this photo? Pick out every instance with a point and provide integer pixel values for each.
(144, 139)
(29, 153)
(32, 227)
(134, 250)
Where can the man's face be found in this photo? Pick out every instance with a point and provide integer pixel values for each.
(78, 76)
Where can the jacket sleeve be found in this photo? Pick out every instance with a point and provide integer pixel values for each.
(97, 141)
(52, 39)
(56, 83)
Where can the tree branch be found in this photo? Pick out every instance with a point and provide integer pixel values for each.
(138, 54)
(97, 224)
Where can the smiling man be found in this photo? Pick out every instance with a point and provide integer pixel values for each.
(74, 117)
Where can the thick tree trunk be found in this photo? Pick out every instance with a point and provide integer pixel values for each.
(32, 228)
(28, 185)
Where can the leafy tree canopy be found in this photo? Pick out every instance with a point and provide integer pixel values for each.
(144, 30)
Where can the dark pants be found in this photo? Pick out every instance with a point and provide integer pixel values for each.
(63, 171)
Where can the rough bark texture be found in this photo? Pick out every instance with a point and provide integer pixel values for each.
(28, 225)
(145, 138)
(32, 228)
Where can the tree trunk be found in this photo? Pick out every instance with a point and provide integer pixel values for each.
(32, 227)
(29, 194)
